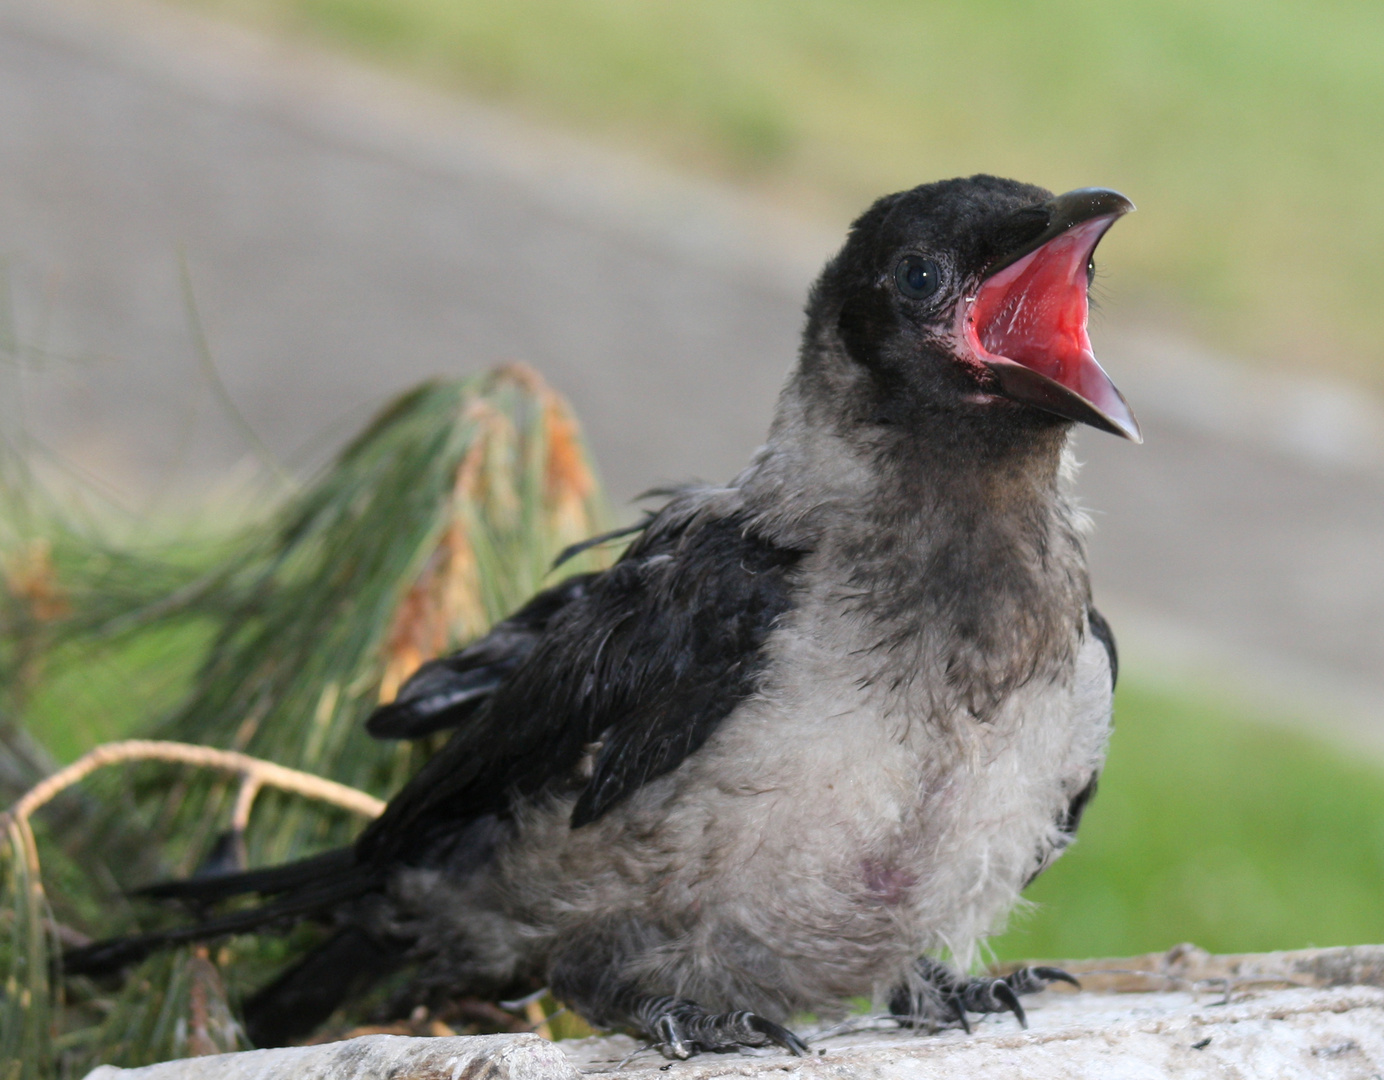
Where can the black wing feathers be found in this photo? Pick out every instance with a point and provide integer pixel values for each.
(571, 551)
(679, 664)
(444, 693)
(1076, 808)
(1101, 629)
(658, 650)
(1070, 820)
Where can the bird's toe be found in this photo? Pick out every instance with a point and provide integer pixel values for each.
(672, 1039)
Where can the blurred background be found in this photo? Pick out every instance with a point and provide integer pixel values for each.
(231, 229)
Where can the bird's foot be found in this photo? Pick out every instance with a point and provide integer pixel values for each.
(942, 995)
(681, 1028)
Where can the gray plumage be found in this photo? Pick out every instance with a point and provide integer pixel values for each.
(884, 794)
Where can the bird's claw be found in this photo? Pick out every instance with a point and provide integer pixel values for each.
(682, 1028)
(1030, 980)
(947, 995)
(778, 1035)
(1001, 998)
(959, 1012)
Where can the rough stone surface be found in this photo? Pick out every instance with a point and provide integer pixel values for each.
(373, 1057)
(1281, 1034)
(1186, 967)
(1316, 1014)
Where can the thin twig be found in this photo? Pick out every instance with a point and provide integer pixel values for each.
(255, 769)
(250, 785)
(538, 1020)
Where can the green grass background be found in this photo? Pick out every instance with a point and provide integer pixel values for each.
(1250, 134)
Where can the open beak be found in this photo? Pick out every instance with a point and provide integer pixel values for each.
(1027, 319)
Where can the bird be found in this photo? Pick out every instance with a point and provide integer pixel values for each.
(811, 735)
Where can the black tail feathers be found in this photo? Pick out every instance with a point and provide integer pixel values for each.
(269, 881)
(312, 887)
(305, 996)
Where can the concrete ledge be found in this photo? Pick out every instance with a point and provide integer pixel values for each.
(1317, 1034)
(1316, 1014)
(1188, 967)
(373, 1057)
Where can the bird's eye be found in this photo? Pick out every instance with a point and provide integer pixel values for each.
(917, 277)
(1090, 271)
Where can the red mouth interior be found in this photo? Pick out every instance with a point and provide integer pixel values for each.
(1034, 312)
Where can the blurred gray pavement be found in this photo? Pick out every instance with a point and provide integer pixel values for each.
(345, 235)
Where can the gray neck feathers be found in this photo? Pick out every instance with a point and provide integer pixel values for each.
(959, 570)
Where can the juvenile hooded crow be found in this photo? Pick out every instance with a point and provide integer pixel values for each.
(815, 729)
